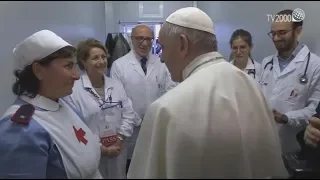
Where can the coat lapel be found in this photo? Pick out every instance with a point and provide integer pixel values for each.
(150, 66)
(300, 58)
(136, 65)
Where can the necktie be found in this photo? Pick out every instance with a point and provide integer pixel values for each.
(143, 64)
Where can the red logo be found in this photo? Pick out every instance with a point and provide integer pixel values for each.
(107, 141)
(80, 135)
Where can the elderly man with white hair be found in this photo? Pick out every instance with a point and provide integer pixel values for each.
(216, 123)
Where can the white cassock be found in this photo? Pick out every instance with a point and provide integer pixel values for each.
(215, 124)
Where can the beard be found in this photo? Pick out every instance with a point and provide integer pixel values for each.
(285, 45)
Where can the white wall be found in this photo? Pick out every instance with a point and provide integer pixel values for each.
(251, 16)
(73, 21)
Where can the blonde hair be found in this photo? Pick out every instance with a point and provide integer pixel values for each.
(84, 47)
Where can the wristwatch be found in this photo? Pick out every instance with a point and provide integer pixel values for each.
(284, 119)
(120, 137)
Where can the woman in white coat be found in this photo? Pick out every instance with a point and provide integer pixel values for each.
(241, 46)
(105, 107)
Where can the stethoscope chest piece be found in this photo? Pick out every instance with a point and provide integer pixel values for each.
(303, 79)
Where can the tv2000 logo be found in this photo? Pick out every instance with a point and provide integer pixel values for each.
(297, 15)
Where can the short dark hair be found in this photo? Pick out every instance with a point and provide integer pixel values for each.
(289, 12)
(83, 50)
(27, 83)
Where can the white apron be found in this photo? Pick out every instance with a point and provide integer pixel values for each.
(80, 159)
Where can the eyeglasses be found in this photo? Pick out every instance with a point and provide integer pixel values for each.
(241, 48)
(280, 33)
(141, 39)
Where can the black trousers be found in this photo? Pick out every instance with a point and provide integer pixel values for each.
(128, 165)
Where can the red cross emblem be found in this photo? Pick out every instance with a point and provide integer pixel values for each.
(80, 135)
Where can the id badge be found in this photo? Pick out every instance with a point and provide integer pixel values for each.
(107, 131)
(109, 112)
(108, 135)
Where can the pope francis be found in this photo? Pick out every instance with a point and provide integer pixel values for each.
(216, 123)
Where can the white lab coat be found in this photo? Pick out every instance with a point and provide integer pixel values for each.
(252, 66)
(141, 89)
(287, 95)
(122, 118)
(215, 124)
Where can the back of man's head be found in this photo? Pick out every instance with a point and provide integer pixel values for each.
(196, 25)
(186, 34)
(200, 40)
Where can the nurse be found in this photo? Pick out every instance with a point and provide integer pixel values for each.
(106, 109)
(241, 46)
(41, 135)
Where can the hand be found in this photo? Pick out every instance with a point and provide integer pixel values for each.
(278, 117)
(312, 133)
(110, 151)
(119, 143)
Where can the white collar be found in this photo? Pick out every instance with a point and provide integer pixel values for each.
(136, 58)
(198, 61)
(87, 83)
(42, 102)
(139, 57)
(249, 65)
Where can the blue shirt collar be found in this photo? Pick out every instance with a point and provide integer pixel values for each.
(294, 53)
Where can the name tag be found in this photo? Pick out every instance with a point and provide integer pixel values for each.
(109, 140)
(107, 134)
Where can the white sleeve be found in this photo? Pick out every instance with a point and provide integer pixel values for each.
(116, 73)
(129, 118)
(168, 83)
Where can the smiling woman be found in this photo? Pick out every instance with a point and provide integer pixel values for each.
(92, 58)
(40, 121)
(241, 46)
(37, 77)
(104, 106)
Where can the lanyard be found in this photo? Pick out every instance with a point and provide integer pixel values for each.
(96, 97)
(104, 104)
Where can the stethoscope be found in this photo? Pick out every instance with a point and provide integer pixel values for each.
(105, 104)
(251, 71)
(303, 79)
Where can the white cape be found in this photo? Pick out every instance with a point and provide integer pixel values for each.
(215, 124)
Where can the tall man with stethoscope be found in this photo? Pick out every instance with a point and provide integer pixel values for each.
(290, 81)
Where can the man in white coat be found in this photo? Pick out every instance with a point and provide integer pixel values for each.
(290, 81)
(216, 123)
(142, 75)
